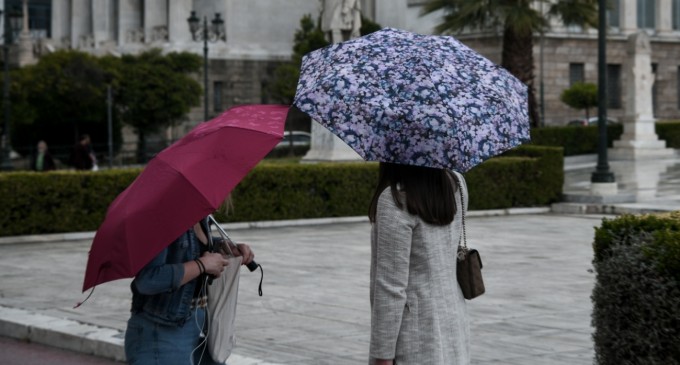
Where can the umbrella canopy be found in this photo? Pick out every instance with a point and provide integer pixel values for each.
(182, 184)
(397, 96)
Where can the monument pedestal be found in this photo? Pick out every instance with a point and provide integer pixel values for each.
(326, 146)
(639, 142)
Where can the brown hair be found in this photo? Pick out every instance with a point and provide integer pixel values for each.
(429, 192)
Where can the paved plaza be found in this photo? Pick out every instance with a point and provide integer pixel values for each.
(315, 307)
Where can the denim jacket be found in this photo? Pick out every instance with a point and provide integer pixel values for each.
(156, 290)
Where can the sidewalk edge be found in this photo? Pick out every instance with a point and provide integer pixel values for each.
(62, 333)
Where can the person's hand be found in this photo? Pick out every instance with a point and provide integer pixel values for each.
(384, 362)
(245, 251)
(214, 263)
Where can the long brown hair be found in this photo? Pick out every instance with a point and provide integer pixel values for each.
(429, 192)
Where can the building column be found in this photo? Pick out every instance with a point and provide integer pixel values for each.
(155, 21)
(81, 24)
(664, 17)
(100, 21)
(61, 9)
(628, 16)
(178, 28)
(130, 22)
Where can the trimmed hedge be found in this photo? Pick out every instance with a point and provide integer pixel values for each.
(34, 203)
(58, 201)
(574, 140)
(583, 140)
(525, 176)
(669, 131)
(636, 298)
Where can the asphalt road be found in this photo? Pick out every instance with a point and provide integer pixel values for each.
(16, 352)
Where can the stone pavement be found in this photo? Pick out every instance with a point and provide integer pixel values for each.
(315, 306)
(653, 184)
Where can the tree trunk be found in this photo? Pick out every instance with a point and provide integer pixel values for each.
(518, 58)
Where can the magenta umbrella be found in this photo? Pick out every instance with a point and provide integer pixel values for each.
(182, 184)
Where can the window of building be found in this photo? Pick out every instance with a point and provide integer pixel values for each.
(39, 16)
(217, 96)
(614, 86)
(675, 10)
(646, 14)
(576, 73)
(613, 13)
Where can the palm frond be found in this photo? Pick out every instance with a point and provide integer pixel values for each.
(576, 12)
(464, 14)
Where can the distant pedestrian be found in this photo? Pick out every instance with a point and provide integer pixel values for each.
(42, 160)
(82, 156)
(418, 313)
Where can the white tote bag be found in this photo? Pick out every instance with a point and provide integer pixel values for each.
(222, 299)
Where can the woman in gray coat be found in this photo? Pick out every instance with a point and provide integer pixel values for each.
(418, 313)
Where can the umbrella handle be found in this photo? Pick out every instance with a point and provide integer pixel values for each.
(252, 266)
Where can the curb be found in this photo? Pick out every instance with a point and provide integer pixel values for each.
(67, 334)
(88, 236)
(63, 333)
(580, 208)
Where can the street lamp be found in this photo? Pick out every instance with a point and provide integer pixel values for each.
(215, 33)
(602, 173)
(13, 21)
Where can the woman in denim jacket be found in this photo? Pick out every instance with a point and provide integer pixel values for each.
(168, 302)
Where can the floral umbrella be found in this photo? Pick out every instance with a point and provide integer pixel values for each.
(396, 96)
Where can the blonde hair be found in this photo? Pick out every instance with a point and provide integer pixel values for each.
(227, 206)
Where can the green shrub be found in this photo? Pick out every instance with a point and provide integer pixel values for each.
(636, 298)
(574, 140)
(669, 131)
(60, 201)
(65, 201)
(583, 140)
(291, 191)
(525, 176)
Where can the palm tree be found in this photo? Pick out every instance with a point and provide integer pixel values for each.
(519, 21)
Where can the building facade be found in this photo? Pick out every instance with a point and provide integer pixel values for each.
(259, 36)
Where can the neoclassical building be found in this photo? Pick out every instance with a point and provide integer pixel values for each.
(259, 35)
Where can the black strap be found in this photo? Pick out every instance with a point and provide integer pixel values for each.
(259, 289)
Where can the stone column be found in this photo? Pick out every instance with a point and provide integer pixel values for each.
(100, 21)
(628, 16)
(155, 21)
(178, 28)
(326, 146)
(61, 11)
(81, 25)
(639, 139)
(664, 17)
(130, 22)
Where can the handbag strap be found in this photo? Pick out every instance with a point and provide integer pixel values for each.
(463, 237)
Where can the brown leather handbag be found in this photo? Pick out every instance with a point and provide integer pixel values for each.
(469, 266)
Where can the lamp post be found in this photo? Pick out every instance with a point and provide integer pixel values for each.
(602, 173)
(13, 22)
(213, 33)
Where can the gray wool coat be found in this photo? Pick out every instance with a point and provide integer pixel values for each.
(418, 313)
